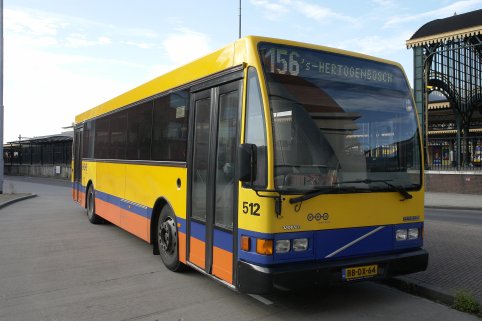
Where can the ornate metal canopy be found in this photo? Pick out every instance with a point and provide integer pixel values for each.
(448, 59)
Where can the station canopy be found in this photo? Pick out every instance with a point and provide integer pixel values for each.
(44, 139)
(451, 28)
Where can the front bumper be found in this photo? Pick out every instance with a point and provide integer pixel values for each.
(258, 279)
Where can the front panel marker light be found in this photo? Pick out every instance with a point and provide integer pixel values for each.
(300, 245)
(282, 246)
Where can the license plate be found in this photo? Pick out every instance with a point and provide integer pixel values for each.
(359, 272)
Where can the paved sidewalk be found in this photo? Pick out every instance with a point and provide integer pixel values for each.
(450, 200)
(455, 255)
(7, 199)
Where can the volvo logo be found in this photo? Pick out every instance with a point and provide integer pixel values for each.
(318, 217)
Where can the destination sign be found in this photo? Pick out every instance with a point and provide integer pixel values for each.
(308, 63)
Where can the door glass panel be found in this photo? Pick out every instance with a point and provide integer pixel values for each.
(78, 158)
(225, 159)
(255, 130)
(200, 167)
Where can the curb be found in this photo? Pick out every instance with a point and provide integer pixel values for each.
(26, 197)
(421, 289)
(449, 207)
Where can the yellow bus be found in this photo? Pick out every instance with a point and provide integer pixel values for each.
(267, 164)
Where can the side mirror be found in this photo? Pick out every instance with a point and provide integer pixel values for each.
(247, 163)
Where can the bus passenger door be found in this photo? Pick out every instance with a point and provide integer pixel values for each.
(212, 202)
(77, 181)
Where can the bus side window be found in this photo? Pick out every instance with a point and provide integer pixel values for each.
(255, 125)
(169, 135)
(101, 148)
(139, 132)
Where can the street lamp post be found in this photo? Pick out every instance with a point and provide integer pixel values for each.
(239, 18)
(1, 97)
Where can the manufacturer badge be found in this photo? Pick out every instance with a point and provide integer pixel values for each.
(319, 217)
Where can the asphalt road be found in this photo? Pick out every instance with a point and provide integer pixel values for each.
(55, 265)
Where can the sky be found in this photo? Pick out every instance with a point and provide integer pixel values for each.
(62, 57)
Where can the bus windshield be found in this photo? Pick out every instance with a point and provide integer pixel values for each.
(340, 121)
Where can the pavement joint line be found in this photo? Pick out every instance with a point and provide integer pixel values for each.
(15, 200)
(261, 299)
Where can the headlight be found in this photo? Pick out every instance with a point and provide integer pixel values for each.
(401, 235)
(282, 246)
(413, 233)
(300, 245)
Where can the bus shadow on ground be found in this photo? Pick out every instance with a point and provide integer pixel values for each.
(356, 296)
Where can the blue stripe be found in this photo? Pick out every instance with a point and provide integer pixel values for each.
(323, 243)
(78, 186)
(223, 240)
(198, 231)
(132, 207)
(182, 222)
(124, 204)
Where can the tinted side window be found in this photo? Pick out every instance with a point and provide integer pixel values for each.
(139, 132)
(169, 134)
(102, 138)
(117, 130)
(88, 140)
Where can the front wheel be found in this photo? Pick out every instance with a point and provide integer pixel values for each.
(93, 218)
(167, 240)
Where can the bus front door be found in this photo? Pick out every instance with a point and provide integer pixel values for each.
(212, 201)
(77, 181)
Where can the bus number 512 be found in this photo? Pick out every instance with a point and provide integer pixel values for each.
(251, 208)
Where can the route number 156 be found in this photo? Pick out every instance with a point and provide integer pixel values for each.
(283, 61)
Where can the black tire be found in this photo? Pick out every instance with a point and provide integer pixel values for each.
(167, 240)
(93, 218)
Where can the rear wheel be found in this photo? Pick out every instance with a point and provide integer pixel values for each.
(167, 240)
(93, 218)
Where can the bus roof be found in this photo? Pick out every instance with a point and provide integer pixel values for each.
(241, 51)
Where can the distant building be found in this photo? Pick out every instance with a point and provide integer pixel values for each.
(47, 156)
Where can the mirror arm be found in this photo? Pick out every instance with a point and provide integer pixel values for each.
(278, 199)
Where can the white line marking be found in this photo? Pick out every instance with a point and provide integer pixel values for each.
(354, 242)
(261, 299)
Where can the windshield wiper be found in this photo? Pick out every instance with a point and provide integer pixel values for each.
(398, 189)
(316, 192)
(327, 190)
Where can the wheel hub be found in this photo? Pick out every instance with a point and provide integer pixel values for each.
(167, 236)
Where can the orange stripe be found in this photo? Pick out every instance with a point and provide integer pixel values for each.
(135, 224)
(182, 247)
(78, 197)
(107, 211)
(223, 264)
(82, 199)
(197, 252)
